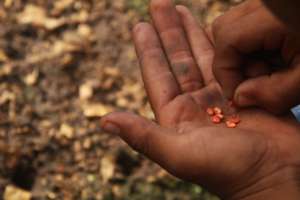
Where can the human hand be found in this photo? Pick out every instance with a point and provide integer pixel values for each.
(247, 39)
(257, 160)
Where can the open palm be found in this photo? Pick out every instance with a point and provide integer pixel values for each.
(176, 62)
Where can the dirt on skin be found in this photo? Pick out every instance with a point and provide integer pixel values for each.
(63, 65)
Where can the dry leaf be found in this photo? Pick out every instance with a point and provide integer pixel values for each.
(96, 110)
(84, 30)
(80, 17)
(5, 70)
(31, 78)
(112, 71)
(36, 16)
(107, 168)
(87, 143)
(85, 91)
(66, 131)
(3, 56)
(61, 5)
(7, 96)
(13, 193)
(51, 195)
(61, 47)
(8, 3)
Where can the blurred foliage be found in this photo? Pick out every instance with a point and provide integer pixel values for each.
(140, 6)
(64, 64)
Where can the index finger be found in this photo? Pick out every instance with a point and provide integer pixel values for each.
(235, 41)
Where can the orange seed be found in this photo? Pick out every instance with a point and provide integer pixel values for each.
(235, 119)
(215, 119)
(217, 110)
(230, 124)
(221, 116)
(210, 111)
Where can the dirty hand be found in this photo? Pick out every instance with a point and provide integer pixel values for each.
(257, 160)
(249, 43)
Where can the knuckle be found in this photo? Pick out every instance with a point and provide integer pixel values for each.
(190, 85)
(152, 53)
(180, 55)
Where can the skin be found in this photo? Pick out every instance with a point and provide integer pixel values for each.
(249, 40)
(287, 11)
(258, 160)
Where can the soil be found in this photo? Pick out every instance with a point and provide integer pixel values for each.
(63, 64)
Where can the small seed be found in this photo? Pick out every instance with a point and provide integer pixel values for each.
(230, 124)
(221, 116)
(215, 119)
(235, 119)
(210, 111)
(217, 110)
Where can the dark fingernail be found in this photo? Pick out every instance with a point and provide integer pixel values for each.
(111, 128)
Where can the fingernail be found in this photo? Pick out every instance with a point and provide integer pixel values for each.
(111, 128)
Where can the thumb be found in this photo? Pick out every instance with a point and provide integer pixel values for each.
(144, 136)
(277, 93)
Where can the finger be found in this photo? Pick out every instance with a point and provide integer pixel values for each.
(277, 93)
(169, 27)
(233, 41)
(255, 69)
(200, 44)
(144, 136)
(160, 83)
(226, 69)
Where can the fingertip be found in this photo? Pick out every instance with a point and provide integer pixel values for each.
(140, 27)
(145, 37)
(228, 93)
(227, 80)
(114, 117)
(182, 9)
(185, 13)
(244, 95)
(159, 4)
(111, 128)
(242, 100)
(141, 31)
(109, 124)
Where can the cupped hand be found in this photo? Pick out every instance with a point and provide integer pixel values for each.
(257, 59)
(259, 156)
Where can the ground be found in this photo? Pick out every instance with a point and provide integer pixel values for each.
(63, 64)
